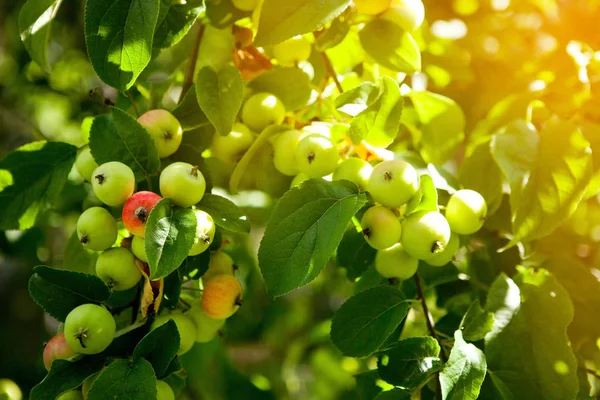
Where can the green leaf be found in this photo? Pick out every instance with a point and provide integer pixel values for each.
(189, 114)
(476, 323)
(290, 85)
(176, 23)
(78, 258)
(532, 351)
(64, 376)
(557, 183)
(170, 233)
(503, 300)
(410, 362)
(58, 291)
(334, 35)
(366, 385)
(119, 35)
(494, 388)
(591, 131)
(391, 46)
(124, 379)
(426, 198)
(282, 20)
(35, 21)
(355, 254)
(225, 213)
(196, 266)
(222, 13)
(33, 178)
(464, 372)
(123, 298)
(442, 126)
(220, 96)
(304, 229)
(159, 347)
(172, 288)
(356, 100)
(394, 394)
(366, 320)
(129, 143)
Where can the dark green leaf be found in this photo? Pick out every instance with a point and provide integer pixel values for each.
(178, 20)
(159, 347)
(356, 100)
(196, 266)
(394, 394)
(355, 254)
(78, 258)
(366, 385)
(477, 323)
(290, 85)
(222, 13)
(58, 291)
(172, 289)
(334, 34)
(64, 376)
(364, 322)
(225, 214)
(188, 112)
(123, 298)
(124, 379)
(35, 20)
(464, 372)
(304, 229)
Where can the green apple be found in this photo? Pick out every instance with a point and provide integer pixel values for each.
(292, 51)
(206, 328)
(298, 179)
(444, 257)
(138, 248)
(284, 151)
(71, 395)
(316, 156)
(185, 327)
(118, 269)
(393, 183)
(164, 391)
(113, 182)
(89, 329)
(220, 263)
(245, 5)
(183, 183)
(425, 234)
(354, 170)
(85, 164)
(231, 148)
(96, 229)
(9, 390)
(205, 233)
(372, 7)
(408, 14)
(262, 110)
(394, 262)
(165, 130)
(466, 212)
(381, 227)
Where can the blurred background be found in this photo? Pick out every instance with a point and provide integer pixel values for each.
(482, 53)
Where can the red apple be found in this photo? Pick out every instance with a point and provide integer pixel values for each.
(136, 211)
(57, 348)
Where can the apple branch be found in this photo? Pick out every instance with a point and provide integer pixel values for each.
(331, 71)
(188, 80)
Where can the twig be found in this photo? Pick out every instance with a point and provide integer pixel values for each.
(331, 72)
(188, 81)
(130, 328)
(133, 103)
(593, 373)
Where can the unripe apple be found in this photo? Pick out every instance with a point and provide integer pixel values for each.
(316, 156)
(394, 262)
(138, 248)
(9, 390)
(164, 391)
(96, 229)
(185, 327)
(85, 164)
(57, 348)
(444, 257)
(220, 263)
(381, 227)
(205, 233)
(136, 211)
(118, 269)
(245, 5)
(425, 234)
(262, 110)
(206, 328)
(284, 150)
(231, 148)
(113, 182)
(466, 212)
(222, 296)
(298, 179)
(393, 183)
(71, 395)
(408, 14)
(372, 7)
(354, 170)
(165, 130)
(292, 51)
(183, 183)
(89, 329)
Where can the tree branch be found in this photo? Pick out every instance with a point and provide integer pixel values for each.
(188, 81)
(331, 72)
(133, 103)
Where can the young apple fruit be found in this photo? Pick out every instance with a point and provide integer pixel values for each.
(425, 234)
(292, 51)
(113, 183)
(85, 164)
(136, 210)
(354, 170)
(372, 7)
(71, 395)
(245, 5)
(89, 329)
(284, 151)
(408, 14)
(394, 262)
(206, 328)
(444, 257)
(298, 179)
(138, 248)
(393, 183)
(57, 348)
(466, 212)
(9, 390)
(96, 229)
(164, 391)
(118, 269)
(220, 263)
(262, 110)
(231, 148)
(222, 296)
(381, 227)
(185, 327)
(183, 183)
(165, 130)
(205, 233)
(316, 156)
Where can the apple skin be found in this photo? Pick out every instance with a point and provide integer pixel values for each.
(316, 156)
(136, 210)
(284, 151)
(164, 391)
(298, 179)
(91, 326)
(185, 327)
(261, 110)
(71, 395)
(381, 227)
(444, 257)
(165, 130)
(183, 183)
(138, 248)
(9, 390)
(372, 7)
(85, 164)
(118, 269)
(222, 296)
(354, 170)
(408, 14)
(245, 5)
(113, 183)
(220, 263)
(425, 234)
(393, 183)
(231, 147)
(394, 262)
(96, 229)
(57, 348)
(206, 328)
(466, 212)
(292, 51)
(205, 233)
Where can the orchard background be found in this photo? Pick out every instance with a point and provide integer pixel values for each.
(498, 96)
